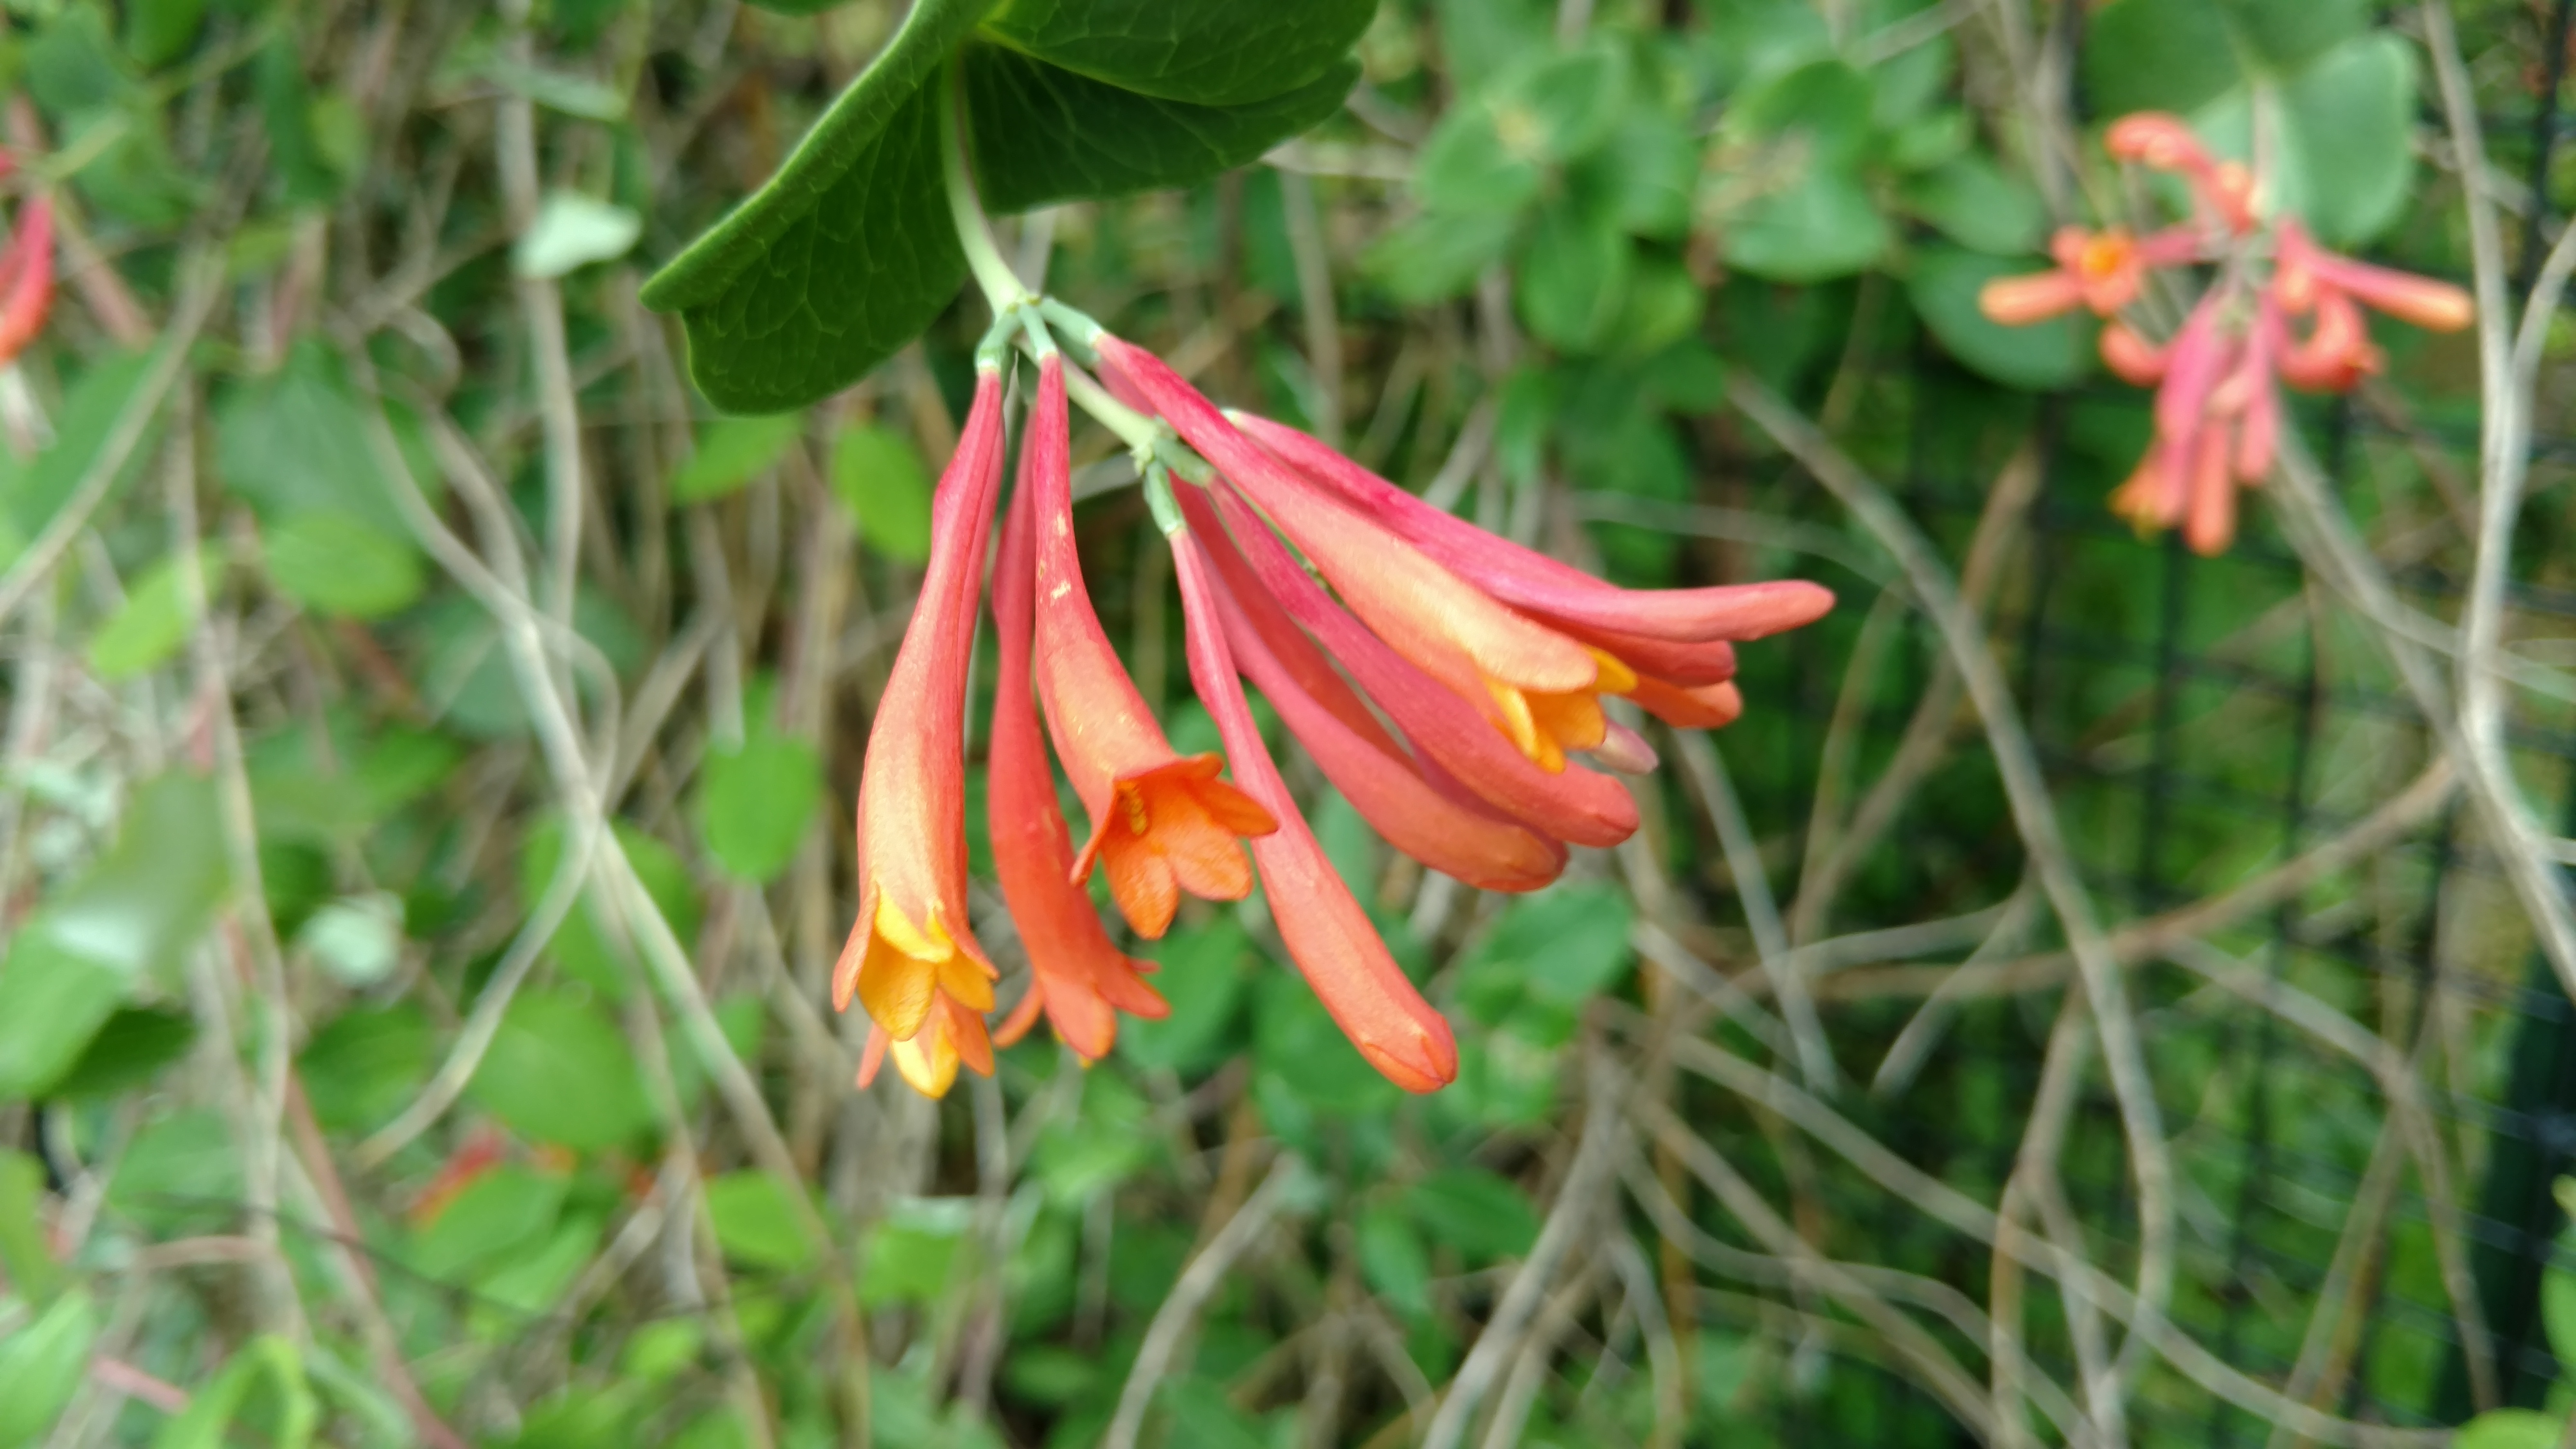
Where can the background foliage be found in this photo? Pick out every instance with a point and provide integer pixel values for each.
(431, 730)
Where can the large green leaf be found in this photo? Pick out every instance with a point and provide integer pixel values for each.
(844, 254)
(1205, 54)
(849, 251)
(1046, 134)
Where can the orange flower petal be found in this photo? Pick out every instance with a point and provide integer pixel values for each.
(1326, 932)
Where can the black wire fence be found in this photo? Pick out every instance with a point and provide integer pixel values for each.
(2202, 722)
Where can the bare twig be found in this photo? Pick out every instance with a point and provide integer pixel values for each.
(1181, 1306)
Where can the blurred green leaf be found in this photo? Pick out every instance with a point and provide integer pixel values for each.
(147, 630)
(158, 32)
(531, 1284)
(296, 441)
(1483, 38)
(756, 1221)
(26, 1257)
(2346, 130)
(1437, 255)
(337, 564)
(1467, 166)
(1209, 55)
(879, 477)
(558, 1071)
(732, 452)
(1204, 1418)
(269, 1360)
(42, 1365)
(53, 1000)
(72, 65)
(501, 1213)
(585, 947)
(2558, 1311)
(1392, 1259)
(357, 939)
(288, 112)
(34, 490)
(1817, 113)
(1202, 978)
(2508, 1429)
(571, 231)
(573, 95)
(365, 1064)
(1649, 169)
(1944, 284)
(1664, 307)
(1565, 945)
(1572, 282)
(1822, 225)
(1563, 106)
(2157, 55)
(911, 1253)
(1754, 40)
(1478, 1213)
(755, 802)
(181, 1169)
(151, 894)
(130, 1049)
(1977, 204)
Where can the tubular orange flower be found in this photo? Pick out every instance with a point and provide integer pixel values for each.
(1326, 933)
(2308, 274)
(1574, 805)
(1078, 978)
(1558, 593)
(1161, 823)
(913, 947)
(2133, 357)
(2032, 297)
(1451, 834)
(2163, 142)
(2100, 271)
(1536, 685)
(27, 278)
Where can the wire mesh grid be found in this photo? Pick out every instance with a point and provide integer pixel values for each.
(2202, 721)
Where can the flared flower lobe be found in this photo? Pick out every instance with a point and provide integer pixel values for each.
(913, 944)
(1161, 823)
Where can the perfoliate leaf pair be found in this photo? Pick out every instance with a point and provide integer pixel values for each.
(849, 251)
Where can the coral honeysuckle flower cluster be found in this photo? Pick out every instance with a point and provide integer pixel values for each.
(2279, 309)
(1449, 683)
